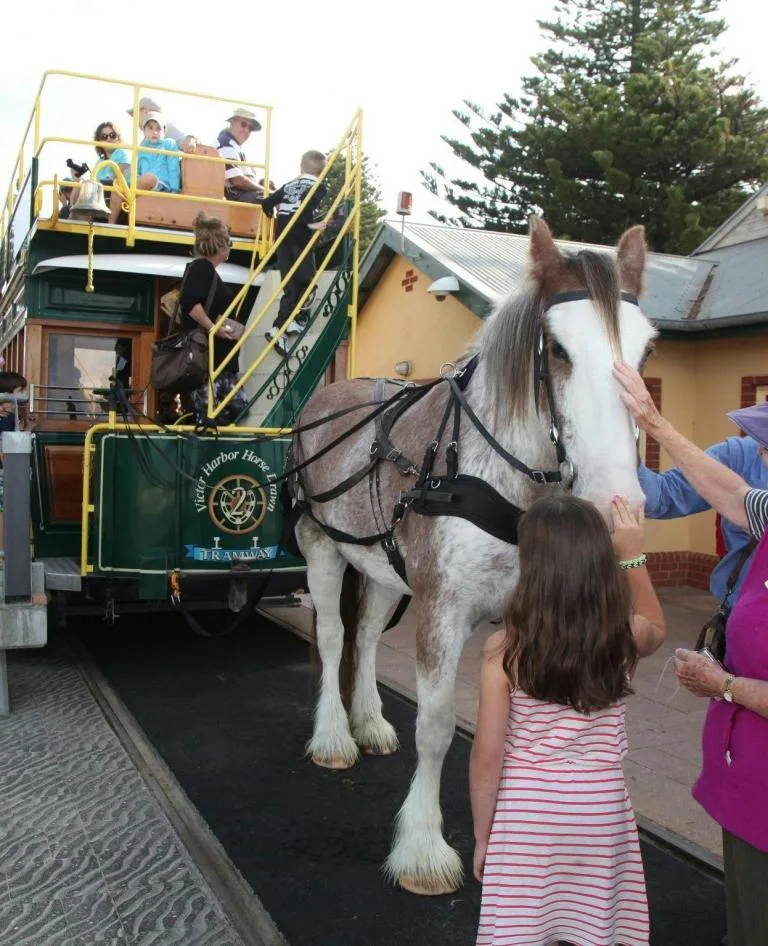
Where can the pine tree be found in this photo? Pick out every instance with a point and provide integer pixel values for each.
(371, 212)
(630, 118)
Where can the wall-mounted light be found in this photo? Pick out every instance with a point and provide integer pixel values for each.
(441, 288)
(404, 368)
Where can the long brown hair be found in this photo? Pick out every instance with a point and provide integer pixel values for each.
(568, 633)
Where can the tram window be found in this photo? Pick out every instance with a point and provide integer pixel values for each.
(80, 366)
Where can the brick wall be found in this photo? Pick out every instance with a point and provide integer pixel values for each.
(652, 448)
(749, 386)
(669, 569)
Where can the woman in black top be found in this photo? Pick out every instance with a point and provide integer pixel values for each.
(212, 244)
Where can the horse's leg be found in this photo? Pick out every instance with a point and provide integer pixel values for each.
(420, 860)
(372, 732)
(331, 744)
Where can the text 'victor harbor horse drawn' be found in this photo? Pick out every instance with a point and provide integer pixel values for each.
(533, 407)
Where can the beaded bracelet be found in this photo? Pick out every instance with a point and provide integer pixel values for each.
(638, 562)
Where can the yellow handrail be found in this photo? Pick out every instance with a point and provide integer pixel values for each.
(33, 124)
(352, 135)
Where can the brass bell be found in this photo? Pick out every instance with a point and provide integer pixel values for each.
(90, 202)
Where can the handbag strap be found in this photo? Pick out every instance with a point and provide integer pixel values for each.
(730, 584)
(177, 306)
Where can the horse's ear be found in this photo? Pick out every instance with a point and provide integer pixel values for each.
(545, 256)
(631, 256)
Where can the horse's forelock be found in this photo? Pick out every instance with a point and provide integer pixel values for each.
(506, 347)
(506, 341)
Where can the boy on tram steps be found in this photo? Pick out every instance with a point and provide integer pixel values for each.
(556, 843)
(11, 382)
(287, 201)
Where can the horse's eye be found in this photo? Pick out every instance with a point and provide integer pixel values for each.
(559, 352)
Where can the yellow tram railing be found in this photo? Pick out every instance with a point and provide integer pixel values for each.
(350, 146)
(33, 143)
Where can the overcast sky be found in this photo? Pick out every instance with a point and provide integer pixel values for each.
(406, 64)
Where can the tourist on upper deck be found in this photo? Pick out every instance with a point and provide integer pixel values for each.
(114, 150)
(212, 244)
(186, 143)
(240, 183)
(163, 169)
(733, 784)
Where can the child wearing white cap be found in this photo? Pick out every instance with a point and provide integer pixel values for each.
(160, 172)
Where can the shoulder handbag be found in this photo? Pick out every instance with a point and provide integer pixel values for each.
(712, 635)
(180, 360)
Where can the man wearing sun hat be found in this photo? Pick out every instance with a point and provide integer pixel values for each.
(240, 183)
(669, 495)
(147, 104)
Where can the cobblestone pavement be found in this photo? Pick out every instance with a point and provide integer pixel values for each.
(87, 855)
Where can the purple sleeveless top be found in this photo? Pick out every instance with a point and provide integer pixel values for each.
(733, 785)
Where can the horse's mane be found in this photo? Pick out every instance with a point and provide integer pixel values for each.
(506, 341)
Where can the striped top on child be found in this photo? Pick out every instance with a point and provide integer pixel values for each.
(563, 861)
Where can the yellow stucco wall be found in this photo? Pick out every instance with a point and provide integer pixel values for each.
(700, 381)
(700, 377)
(396, 325)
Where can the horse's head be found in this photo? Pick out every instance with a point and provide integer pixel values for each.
(562, 339)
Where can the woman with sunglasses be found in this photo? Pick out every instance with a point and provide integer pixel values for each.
(113, 150)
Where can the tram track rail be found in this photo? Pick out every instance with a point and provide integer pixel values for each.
(245, 911)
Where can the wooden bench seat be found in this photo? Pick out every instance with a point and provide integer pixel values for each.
(198, 179)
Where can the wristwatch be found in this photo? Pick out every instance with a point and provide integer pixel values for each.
(728, 688)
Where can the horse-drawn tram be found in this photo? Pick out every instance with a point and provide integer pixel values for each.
(135, 501)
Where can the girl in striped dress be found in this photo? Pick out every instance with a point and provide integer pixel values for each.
(556, 844)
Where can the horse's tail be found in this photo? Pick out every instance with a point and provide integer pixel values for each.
(349, 607)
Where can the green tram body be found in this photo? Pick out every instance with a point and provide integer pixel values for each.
(127, 514)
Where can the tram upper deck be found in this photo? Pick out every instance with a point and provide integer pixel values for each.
(66, 109)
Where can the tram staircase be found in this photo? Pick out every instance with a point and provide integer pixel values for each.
(279, 388)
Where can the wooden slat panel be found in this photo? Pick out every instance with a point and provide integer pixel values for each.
(202, 178)
(64, 475)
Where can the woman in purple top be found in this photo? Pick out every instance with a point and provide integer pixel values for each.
(733, 785)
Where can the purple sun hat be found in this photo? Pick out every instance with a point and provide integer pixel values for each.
(753, 421)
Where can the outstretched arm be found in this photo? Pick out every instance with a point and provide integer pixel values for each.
(723, 489)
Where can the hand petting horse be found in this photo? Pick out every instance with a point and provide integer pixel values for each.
(533, 406)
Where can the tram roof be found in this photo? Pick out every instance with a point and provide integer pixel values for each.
(684, 294)
(154, 264)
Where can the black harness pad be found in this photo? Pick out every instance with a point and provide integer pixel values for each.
(468, 498)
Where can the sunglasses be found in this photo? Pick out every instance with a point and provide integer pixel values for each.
(243, 123)
(108, 136)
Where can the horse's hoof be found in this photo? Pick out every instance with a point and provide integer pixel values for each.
(333, 762)
(426, 888)
(378, 750)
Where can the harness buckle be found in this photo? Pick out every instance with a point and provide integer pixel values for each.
(374, 448)
(447, 370)
(539, 476)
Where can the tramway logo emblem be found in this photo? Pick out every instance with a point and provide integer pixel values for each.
(237, 504)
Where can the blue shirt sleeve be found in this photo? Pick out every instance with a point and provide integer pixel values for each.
(669, 495)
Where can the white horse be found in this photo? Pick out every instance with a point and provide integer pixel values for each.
(540, 375)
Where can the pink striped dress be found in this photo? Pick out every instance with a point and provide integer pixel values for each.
(563, 862)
